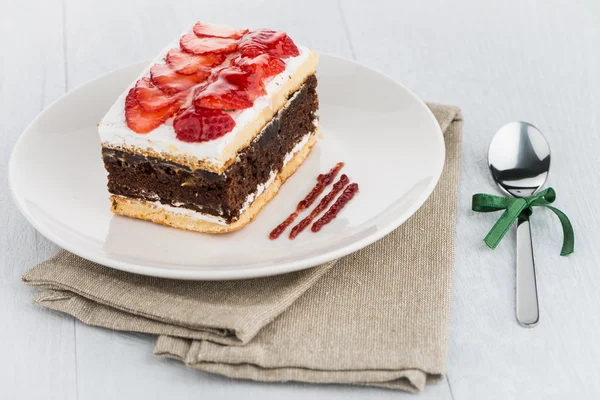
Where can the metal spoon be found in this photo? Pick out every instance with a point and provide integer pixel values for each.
(519, 159)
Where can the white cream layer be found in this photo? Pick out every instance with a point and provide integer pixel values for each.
(114, 132)
(196, 215)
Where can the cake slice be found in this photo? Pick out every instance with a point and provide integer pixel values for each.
(209, 132)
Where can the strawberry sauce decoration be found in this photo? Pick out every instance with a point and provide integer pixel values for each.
(215, 69)
(325, 201)
(335, 209)
(323, 180)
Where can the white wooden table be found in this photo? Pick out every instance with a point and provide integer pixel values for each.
(518, 60)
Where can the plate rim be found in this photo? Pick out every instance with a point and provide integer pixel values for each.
(225, 274)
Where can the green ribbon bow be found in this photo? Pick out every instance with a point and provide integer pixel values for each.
(521, 208)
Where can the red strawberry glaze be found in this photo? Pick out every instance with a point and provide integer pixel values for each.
(207, 72)
(275, 233)
(334, 210)
(325, 201)
(221, 96)
(323, 180)
(233, 89)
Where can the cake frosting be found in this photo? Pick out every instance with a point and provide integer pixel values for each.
(115, 133)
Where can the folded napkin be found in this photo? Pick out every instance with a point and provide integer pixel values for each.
(378, 317)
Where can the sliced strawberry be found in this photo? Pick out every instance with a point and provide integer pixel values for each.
(233, 89)
(191, 43)
(265, 65)
(171, 82)
(230, 100)
(150, 97)
(202, 124)
(187, 64)
(250, 82)
(267, 41)
(202, 29)
(142, 121)
(274, 66)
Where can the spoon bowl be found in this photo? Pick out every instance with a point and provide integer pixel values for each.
(519, 159)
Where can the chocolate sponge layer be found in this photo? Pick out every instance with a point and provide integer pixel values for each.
(222, 195)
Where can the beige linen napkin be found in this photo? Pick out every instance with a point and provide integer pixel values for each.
(378, 317)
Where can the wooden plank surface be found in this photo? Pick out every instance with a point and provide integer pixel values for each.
(37, 348)
(519, 60)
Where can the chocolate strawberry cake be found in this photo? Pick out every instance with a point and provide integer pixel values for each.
(209, 132)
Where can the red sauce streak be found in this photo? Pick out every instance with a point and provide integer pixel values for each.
(275, 233)
(325, 201)
(323, 180)
(341, 201)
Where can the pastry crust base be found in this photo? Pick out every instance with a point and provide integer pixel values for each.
(141, 209)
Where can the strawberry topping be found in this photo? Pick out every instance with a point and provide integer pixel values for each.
(202, 124)
(220, 67)
(187, 64)
(263, 65)
(233, 89)
(229, 99)
(202, 29)
(251, 83)
(172, 82)
(150, 97)
(142, 121)
(191, 43)
(267, 41)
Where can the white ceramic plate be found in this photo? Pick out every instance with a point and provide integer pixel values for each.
(390, 141)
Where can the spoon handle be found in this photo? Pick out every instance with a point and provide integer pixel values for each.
(528, 312)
